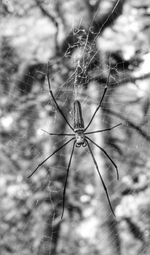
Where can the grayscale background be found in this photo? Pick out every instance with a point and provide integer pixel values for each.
(85, 44)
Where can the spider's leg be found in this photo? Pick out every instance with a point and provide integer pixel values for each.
(65, 185)
(102, 130)
(50, 157)
(105, 89)
(100, 103)
(61, 112)
(57, 134)
(106, 155)
(98, 171)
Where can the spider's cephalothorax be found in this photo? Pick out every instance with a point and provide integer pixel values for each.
(79, 125)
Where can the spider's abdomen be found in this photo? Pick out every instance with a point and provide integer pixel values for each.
(78, 119)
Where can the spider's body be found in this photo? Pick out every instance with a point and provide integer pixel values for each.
(79, 125)
(80, 138)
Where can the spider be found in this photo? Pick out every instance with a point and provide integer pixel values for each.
(80, 138)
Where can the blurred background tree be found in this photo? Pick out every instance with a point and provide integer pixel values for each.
(101, 37)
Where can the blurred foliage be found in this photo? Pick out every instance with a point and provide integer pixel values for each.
(30, 208)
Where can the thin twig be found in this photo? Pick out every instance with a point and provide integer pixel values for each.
(52, 18)
(129, 123)
(99, 78)
(46, 13)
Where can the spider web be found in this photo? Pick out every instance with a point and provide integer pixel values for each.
(26, 204)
